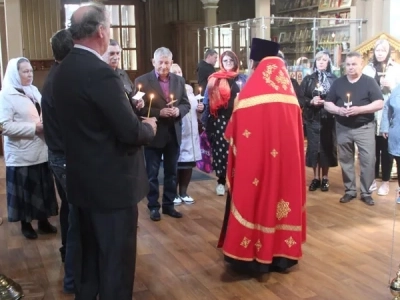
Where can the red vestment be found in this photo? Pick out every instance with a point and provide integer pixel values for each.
(266, 170)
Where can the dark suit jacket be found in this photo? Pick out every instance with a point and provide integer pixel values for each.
(101, 133)
(150, 85)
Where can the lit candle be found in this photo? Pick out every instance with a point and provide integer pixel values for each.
(172, 97)
(151, 100)
(348, 98)
(139, 86)
(200, 90)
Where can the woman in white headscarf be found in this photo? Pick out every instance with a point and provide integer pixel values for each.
(30, 187)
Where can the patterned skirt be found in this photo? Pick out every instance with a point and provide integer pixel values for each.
(30, 193)
(220, 146)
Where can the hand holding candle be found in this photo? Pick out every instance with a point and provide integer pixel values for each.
(151, 100)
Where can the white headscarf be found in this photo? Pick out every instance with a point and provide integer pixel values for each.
(13, 80)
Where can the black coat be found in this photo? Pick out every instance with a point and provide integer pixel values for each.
(150, 85)
(311, 112)
(101, 133)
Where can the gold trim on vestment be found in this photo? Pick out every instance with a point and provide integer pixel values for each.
(260, 260)
(259, 227)
(265, 99)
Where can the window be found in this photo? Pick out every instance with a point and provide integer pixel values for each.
(222, 40)
(123, 30)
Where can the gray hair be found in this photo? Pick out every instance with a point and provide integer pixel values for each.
(353, 54)
(162, 52)
(86, 25)
(384, 43)
(114, 43)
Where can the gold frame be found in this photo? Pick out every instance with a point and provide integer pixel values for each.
(366, 48)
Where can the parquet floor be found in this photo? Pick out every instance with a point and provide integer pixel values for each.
(347, 255)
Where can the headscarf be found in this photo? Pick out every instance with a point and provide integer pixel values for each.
(219, 91)
(324, 84)
(13, 80)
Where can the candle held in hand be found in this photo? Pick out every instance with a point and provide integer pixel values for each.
(151, 100)
(348, 98)
(200, 90)
(139, 87)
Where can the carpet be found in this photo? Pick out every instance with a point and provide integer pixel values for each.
(196, 176)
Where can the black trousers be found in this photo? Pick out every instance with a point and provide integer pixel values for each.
(383, 158)
(153, 156)
(105, 254)
(397, 159)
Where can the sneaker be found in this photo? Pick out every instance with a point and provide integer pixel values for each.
(187, 199)
(398, 195)
(220, 190)
(177, 201)
(373, 186)
(315, 183)
(384, 189)
(325, 185)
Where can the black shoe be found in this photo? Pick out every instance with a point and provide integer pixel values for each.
(28, 231)
(172, 213)
(346, 198)
(44, 227)
(325, 185)
(155, 215)
(368, 200)
(315, 183)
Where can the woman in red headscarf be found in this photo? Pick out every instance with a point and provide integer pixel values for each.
(222, 89)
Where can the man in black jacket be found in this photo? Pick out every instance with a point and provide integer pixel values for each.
(169, 104)
(205, 68)
(61, 44)
(103, 141)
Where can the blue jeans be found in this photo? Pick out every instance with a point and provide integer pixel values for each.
(57, 164)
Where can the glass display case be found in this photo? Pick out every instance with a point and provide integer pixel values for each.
(318, 25)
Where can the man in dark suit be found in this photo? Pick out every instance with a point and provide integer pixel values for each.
(105, 168)
(169, 105)
(61, 44)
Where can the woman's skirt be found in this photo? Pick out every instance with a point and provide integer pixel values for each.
(30, 193)
(321, 143)
(220, 146)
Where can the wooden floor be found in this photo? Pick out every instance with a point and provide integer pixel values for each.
(347, 255)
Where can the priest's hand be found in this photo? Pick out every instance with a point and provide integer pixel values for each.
(385, 135)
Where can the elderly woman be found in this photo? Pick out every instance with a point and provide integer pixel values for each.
(320, 125)
(190, 151)
(387, 74)
(390, 129)
(222, 89)
(30, 186)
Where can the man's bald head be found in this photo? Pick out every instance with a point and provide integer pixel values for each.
(85, 21)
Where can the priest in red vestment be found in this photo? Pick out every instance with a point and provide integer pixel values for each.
(265, 220)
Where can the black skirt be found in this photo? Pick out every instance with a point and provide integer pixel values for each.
(321, 143)
(30, 193)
